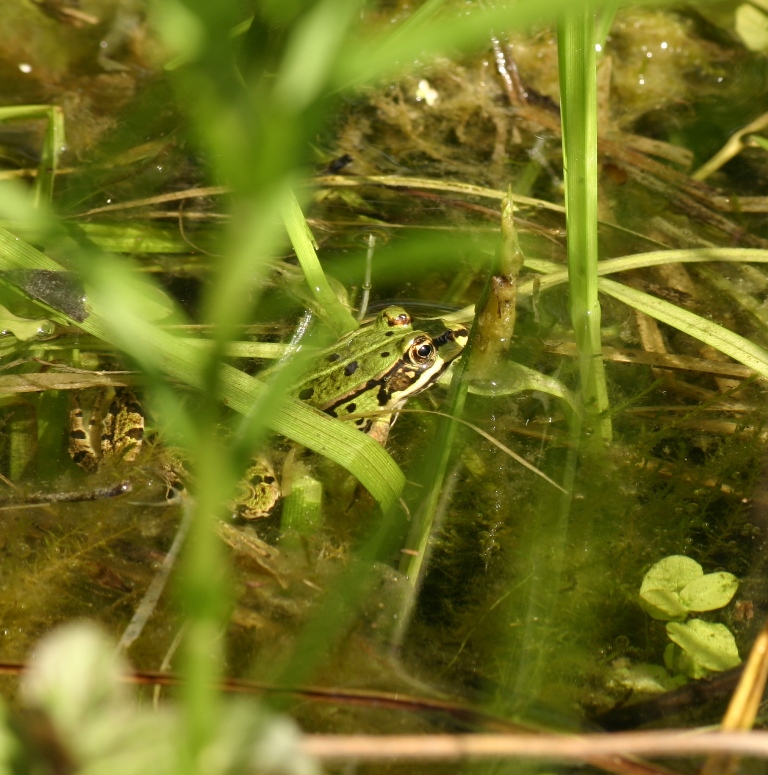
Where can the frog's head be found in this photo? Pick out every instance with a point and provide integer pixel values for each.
(424, 357)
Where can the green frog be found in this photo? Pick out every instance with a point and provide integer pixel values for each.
(367, 375)
(371, 372)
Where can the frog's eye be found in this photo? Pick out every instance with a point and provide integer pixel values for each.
(393, 317)
(396, 316)
(422, 350)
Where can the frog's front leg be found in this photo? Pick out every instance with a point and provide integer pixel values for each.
(380, 427)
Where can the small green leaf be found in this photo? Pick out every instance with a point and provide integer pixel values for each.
(709, 592)
(671, 653)
(671, 573)
(659, 592)
(711, 646)
(758, 141)
(663, 604)
(679, 663)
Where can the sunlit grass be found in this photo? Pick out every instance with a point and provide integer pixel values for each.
(578, 108)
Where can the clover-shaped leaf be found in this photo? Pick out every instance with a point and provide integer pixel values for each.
(676, 585)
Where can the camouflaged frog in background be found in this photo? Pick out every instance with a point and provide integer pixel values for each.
(107, 428)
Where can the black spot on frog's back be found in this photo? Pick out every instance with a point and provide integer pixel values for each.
(306, 394)
(350, 368)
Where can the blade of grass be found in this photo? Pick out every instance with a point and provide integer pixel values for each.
(304, 245)
(53, 144)
(578, 100)
(733, 345)
(468, 189)
(555, 275)
(737, 347)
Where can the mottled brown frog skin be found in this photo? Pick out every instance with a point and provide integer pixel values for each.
(109, 429)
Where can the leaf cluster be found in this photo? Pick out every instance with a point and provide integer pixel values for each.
(676, 587)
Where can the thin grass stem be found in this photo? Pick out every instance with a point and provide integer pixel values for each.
(578, 97)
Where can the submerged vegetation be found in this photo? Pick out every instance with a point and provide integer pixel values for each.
(199, 198)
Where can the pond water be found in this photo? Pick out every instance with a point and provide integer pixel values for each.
(527, 605)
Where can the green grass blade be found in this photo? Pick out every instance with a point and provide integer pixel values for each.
(554, 275)
(737, 347)
(578, 101)
(53, 144)
(304, 245)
